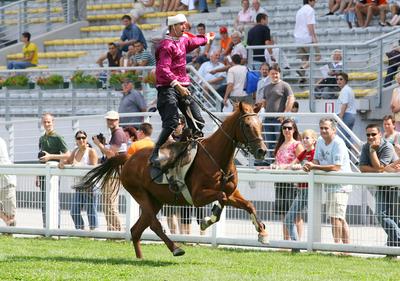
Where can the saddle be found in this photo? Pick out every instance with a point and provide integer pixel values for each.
(175, 160)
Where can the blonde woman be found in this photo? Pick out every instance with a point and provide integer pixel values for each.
(395, 103)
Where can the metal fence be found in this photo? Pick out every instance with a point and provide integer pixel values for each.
(371, 66)
(364, 234)
(35, 17)
(96, 93)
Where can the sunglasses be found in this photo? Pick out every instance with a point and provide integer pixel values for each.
(339, 79)
(371, 135)
(287, 128)
(80, 138)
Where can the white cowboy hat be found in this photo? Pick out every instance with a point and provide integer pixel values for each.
(179, 18)
(112, 115)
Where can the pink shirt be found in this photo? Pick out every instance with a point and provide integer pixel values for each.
(286, 154)
(171, 59)
(245, 16)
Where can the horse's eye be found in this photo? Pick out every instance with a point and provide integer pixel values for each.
(247, 125)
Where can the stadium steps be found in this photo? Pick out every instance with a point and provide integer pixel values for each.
(51, 55)
(359, 93)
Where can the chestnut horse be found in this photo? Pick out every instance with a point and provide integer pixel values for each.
(212, 177)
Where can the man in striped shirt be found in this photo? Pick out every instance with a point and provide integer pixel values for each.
(142, 57)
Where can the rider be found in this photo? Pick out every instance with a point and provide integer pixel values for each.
(172, 81)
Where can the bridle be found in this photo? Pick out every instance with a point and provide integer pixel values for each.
(246, 145)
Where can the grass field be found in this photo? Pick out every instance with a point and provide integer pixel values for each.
(84, 259)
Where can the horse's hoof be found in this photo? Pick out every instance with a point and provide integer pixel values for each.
(205, 223)
(178, 252)
(263, 239)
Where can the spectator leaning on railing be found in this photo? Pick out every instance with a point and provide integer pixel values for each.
(8, 201)
(331, 155)
(378, 156)
(113, 56)
(30, 54)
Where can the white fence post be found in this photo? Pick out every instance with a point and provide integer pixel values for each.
(52, 200)
(132, 214)
(314, 212)
(218, 228)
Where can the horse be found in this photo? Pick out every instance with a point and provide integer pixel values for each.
(212, 177)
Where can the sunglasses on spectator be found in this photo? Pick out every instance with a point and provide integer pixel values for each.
(287, 128)
(339, 79)
(81, 138)
(371, 135)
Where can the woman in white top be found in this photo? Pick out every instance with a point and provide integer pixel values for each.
(395, 103)
(83, 155)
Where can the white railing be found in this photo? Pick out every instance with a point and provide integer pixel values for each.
(366, 62)
(34, 17)
(23, 135)
(235, 228)
(70, 99)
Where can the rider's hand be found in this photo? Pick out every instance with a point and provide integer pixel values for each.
(183, 91)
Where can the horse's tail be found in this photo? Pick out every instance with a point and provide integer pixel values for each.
(102, 174)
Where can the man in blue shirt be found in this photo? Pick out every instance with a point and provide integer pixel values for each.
(130, 34)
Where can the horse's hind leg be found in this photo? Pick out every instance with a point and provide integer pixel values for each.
(136, 232)
(237, 200)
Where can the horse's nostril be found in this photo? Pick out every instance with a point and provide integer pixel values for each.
(261, 152)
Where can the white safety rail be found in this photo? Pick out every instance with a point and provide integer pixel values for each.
(23, 135)
(366, 63)
(35, 17)
(365, 233)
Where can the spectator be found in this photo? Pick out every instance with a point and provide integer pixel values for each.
(29, 52)
(333, 5)
(260, 35)
(346, 103)
(244, 17)
(395, 103)
(113, 56)
(304, 33)
(236, 79)
(331, 155)
(263, 82)
(203, 6)
(142, 57)
(349, 11)
(83, 154)
(127, 58)
(130, 134)
(131, 101)
(8, 183)
(286, 151)
(256, 9)
(378, 156)
(224, 42)
(144, 139)
(278, 97)
(217, 79)
(237, 47)
(300, 203)
(130, 34)
(142, 7)
(393, 63)
(295, 107)
(200, 55)
(395, 11)
(365, 10)
(52, 147)
(116, 146)
(328, 86)
(391, 135)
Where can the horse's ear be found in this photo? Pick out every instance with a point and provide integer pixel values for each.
(257, 107)
(241, 107)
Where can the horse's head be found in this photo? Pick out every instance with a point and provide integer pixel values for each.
(249, 130)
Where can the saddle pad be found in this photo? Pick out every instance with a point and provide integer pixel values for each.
(179, 171)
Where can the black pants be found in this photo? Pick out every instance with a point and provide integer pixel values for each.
(168, 102)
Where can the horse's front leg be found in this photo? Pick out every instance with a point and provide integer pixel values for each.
(236, 200)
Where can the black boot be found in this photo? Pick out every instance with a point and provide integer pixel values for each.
(162, 138)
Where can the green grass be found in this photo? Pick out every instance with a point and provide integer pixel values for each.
(83, 259)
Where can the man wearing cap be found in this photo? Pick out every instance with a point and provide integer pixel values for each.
(172, 81)
(131, 101)
(225, 41)
(117, 144)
